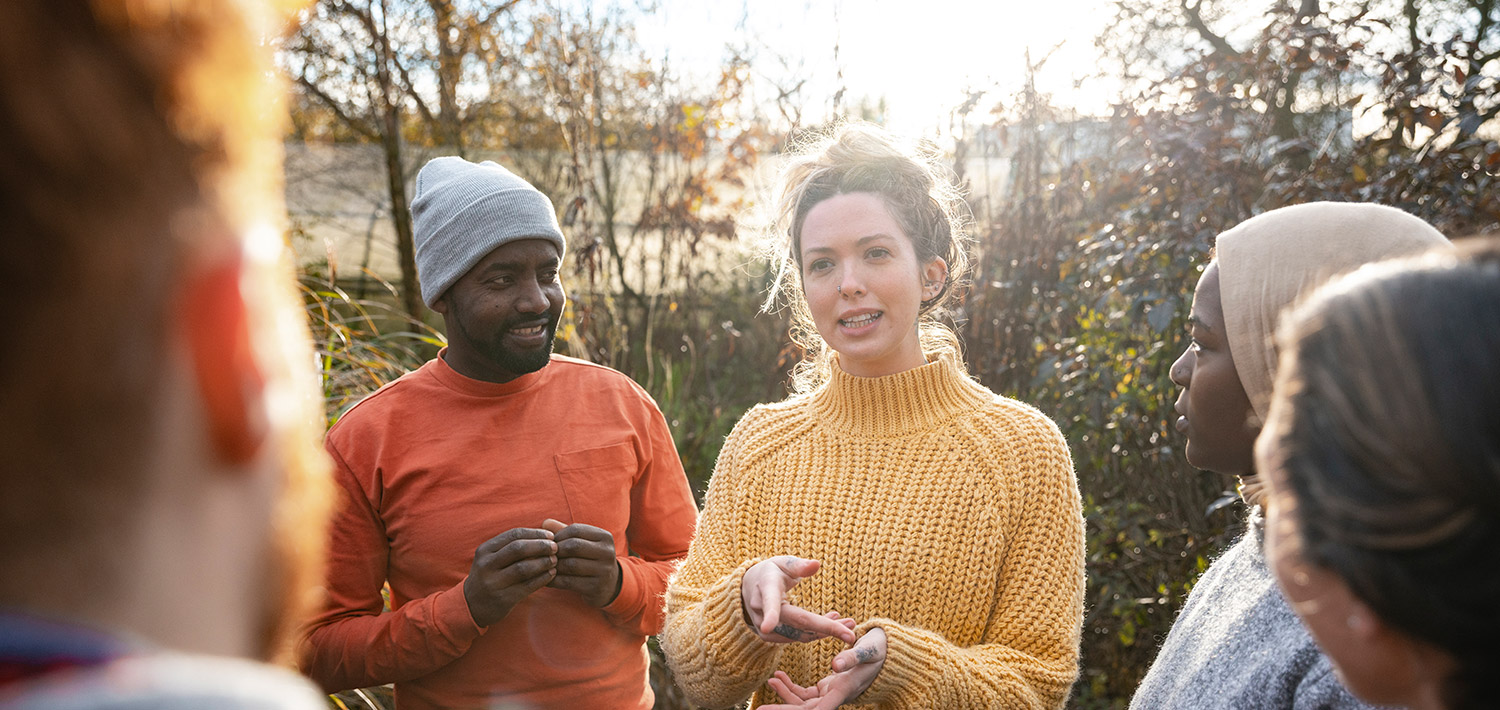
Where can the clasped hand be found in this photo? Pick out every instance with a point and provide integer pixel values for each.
(512, 565)
(763, 594)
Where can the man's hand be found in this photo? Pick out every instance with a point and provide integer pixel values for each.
(763, 592)
(507, 568)
(853, 671)
(586, 562)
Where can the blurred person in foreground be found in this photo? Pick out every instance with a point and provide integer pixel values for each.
(894, 534)
(1236, 644)
(525, 507)
(162, 496)
(1382, 452)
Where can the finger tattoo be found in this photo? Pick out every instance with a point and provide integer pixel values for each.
(789, 631)
(865, 654)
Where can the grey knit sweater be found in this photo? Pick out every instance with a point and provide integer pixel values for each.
(1238, 646)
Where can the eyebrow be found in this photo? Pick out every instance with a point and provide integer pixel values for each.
(862, 241)
(503, 266)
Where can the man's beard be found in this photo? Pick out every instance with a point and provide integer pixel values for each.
(520, 362)
(494, 349)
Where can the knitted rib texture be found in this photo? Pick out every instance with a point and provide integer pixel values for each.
(942, 513)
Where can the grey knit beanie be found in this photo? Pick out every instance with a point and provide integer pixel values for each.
(462, 211)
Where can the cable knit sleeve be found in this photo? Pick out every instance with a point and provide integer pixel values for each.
(1029, 655)
(717, 659)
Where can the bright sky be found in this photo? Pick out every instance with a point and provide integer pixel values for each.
(920, 56)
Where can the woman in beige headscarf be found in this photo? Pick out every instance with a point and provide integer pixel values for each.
(1237, 644)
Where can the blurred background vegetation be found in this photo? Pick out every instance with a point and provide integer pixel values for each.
(1093, 227)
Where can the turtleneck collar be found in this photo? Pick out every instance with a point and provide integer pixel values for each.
(461, 384)
(917, 399)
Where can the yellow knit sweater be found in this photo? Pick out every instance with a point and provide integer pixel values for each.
(942, 513)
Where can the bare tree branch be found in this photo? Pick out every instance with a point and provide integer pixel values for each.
(498, 10)
(337, 108)
(409, 88)
(1192, 13)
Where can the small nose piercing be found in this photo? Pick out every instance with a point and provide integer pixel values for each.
(840, 290)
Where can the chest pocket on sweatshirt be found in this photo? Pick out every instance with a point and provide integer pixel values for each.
(597, 483)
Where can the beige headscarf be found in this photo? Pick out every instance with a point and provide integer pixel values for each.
(1270, 261)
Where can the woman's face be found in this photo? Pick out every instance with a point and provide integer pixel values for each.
(864, 285)
(1215, 412)
(1375, 662)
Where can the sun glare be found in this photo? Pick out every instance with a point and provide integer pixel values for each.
(909, 66)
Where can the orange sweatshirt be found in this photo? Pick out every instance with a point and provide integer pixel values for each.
(434, 464)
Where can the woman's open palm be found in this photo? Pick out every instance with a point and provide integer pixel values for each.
(763, 593)
(853, 671)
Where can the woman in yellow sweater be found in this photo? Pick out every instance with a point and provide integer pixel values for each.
(932, 529)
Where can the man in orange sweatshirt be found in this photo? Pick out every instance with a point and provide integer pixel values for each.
(525, 508)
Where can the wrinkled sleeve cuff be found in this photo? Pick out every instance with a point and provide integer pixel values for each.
(732, 639)
(904, 665)
(454, 619)
(628, 604)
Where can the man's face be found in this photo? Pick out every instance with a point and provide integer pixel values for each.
(502, 314)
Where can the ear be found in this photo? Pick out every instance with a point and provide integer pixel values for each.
(1369, 631)
(1378, 662)
(214, 323)
(1364, 626)
(934, 278)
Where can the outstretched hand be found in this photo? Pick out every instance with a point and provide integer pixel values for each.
(763, 592)
(853, 672)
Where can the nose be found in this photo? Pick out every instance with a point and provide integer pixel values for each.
(532, 298)
(850, 284)
(1181, 372)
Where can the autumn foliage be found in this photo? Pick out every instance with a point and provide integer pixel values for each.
(1087, 257)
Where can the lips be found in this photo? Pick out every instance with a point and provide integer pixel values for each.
(861, 320)
(532, 334)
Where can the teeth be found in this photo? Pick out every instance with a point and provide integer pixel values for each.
(862, 320)
(536, 330)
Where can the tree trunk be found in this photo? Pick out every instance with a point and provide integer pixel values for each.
(390, 142)
(411, 293)
(1470, 116)
(449, 75)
